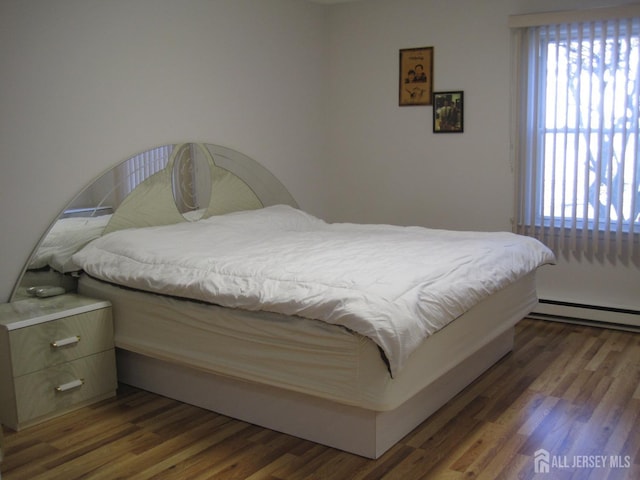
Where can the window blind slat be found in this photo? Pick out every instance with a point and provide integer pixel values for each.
(578, 136)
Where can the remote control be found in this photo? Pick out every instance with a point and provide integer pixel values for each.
(49, 291)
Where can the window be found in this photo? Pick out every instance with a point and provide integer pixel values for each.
(138, 168)
(145, 164)
(577, 135)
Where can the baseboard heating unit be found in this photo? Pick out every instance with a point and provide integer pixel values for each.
(593, 315)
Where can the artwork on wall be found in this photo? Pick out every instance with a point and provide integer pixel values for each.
(416, 76)
(448, 110)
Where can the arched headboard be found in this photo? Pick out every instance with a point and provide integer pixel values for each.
(167, 184)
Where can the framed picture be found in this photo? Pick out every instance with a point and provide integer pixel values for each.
(416, 76)
(448, 108)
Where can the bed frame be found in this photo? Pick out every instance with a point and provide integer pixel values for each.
(240, 183)
(356, 430)
(464, 349)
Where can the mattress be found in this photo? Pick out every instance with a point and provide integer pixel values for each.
(299, 354)
(396, 285)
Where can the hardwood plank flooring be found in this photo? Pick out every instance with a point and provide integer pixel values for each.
(571, 390)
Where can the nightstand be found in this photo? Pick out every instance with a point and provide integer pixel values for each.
(56, 355)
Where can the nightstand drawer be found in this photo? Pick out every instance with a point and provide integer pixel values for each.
(52, 343)
(63, 386)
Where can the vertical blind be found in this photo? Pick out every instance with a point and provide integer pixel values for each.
(146, 164)
(577, 126)
(131, 173)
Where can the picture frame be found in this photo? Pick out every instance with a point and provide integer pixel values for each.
(448, 112)
(416, 76)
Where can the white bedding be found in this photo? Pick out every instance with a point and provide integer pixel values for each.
(295, 353)
(66, 237)
(395, 285)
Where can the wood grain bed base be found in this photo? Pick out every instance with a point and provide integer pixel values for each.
(356, 430)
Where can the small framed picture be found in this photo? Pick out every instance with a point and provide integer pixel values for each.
(448, 108)
(416, 76)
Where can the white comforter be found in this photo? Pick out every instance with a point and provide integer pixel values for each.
(66, 237)
(395, 285)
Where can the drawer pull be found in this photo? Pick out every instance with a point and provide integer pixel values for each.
(65, 341)
(70, 385)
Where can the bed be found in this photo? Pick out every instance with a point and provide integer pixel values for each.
(347, 335)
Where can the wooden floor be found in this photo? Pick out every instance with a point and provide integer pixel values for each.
(573, 391)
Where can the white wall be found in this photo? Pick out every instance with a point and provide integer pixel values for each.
(87, 83)
(388, 166)
(309, 90)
